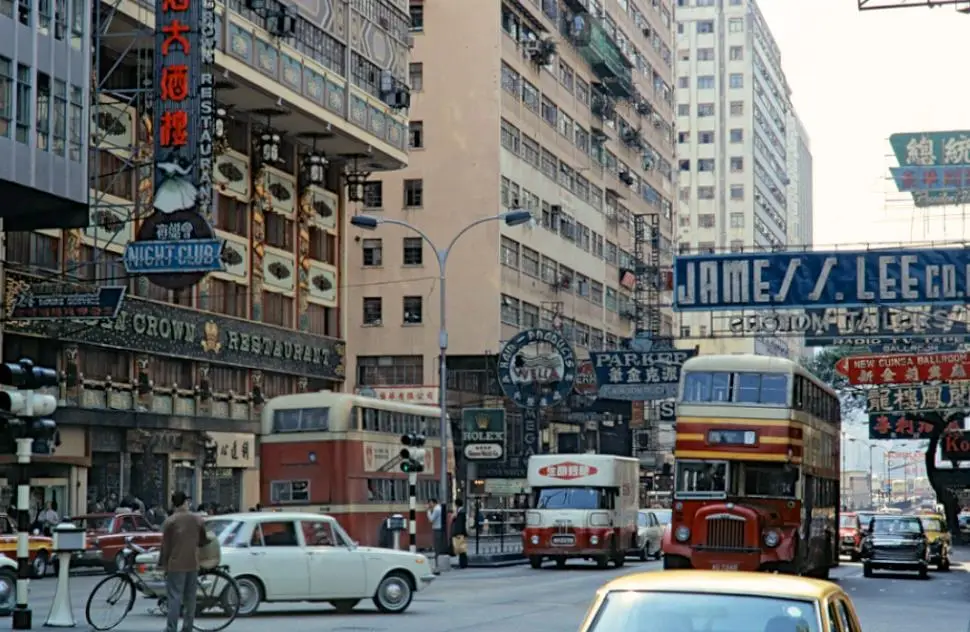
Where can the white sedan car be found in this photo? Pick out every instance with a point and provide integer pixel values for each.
(650, 533)
(279, 557)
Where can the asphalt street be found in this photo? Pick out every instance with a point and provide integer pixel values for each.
(518, 597)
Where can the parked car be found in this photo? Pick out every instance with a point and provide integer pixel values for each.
(106, 533)
(8, 585)
(964, 521)
(675, 601)
(289, 557)
(40, 549)
(896, 543)
(850, 536)
(650, 534)
(938, 536)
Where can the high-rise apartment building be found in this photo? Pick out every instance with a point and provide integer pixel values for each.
(743, 159)
(307, 102)
(561, 108)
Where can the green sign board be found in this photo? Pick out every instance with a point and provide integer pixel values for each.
(934, 149)
(483, 434)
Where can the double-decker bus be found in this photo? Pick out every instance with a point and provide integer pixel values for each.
(756, 472)
(339, 454)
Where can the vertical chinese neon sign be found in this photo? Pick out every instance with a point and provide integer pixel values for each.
(175, 245)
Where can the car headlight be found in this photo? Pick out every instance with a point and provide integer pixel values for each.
(682, 533)
(594, 539)
(535, 539)
(772, 539)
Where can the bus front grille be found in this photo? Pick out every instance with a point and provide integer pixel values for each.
(725, 532)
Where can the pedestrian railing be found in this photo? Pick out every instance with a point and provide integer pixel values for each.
(497, 531)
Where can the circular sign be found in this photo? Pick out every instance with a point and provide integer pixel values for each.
(541, 378)
(585, 383)
(484, 451)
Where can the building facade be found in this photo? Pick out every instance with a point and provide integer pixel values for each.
(565, 110)
(744, 164)
(168, 394)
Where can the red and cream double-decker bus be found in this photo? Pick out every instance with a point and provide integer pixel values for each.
(339, 454)
(756, 473)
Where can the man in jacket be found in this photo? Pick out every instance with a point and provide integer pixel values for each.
(182, 534)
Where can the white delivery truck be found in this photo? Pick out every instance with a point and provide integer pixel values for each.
(583, 506)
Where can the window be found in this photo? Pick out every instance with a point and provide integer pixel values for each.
(510, 136)
(413, 310)
(530, 96)
(683, 82)
(232, 215)
(683, 109)
(283, 492)
(43, 111)
(390, 370)
(737, 219)
(319, 533)
(23, 103)
(736, 53)
(413, 251)
(705, 109)
(413, 193)
(705, 82)
(737, 164)
(736, 80)
(737, 245)
(705, 26)
(530, 316)
(6, 94)
(417, 17)
(416, 135)
(510, 310)
(36, 250)
(565, 75)
(277, 309)
(510, 253)
(226, 297)
(373, 195)
(550, 113)
(706, 248)
(737, 193)
(737, 135)
(705, 54)
(705, 164)
(705, 220)
(416, 77)
(736, 25)
(683, 137)
(373, 310)
(705, 138)
(530, 151)
(705, 193)
(373, 251)
(76, 122)
(530, 262)
(510, 80)
(737, 108)
(279, 231)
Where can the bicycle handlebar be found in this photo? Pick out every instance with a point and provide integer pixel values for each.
(134, 547)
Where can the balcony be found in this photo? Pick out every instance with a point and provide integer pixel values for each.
(604, 55)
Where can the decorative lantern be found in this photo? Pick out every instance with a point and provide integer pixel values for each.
(314, 168)
(220, 129)
(269, 147)
(355, 179)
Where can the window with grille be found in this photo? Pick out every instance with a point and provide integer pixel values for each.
(413, 193)
(390, 370)
(510, 310)
(373, 195)
(413, 310)
(416, 77)
(373, 252)
(530, 262)
(373, 310)
(510, 253)
(413, 251)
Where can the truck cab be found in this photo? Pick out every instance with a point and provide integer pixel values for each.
(583, 506)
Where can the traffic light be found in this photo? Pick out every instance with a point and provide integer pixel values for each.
(24, 412)
(413, 453)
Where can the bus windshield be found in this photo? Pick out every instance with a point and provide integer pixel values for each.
(770, 479)
(739, 388)
(702, 478)
(571, 498)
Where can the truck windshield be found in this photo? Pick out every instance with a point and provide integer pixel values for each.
(571, 498)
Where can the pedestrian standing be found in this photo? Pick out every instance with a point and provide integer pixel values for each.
(182, 535)
(435, 518)
(459, 534)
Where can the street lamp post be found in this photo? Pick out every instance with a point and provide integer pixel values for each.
(369, 222)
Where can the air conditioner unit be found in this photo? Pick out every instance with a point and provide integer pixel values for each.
(626, 178)
(644, 108)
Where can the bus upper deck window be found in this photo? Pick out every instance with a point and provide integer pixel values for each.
(707, 387)
(774, 389)
(748, 388)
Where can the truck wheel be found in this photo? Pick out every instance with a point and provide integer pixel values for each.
(561, 562)
(535, 561)
(619, 560)
(603, 561)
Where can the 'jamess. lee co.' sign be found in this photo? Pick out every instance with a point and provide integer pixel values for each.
(149, 327)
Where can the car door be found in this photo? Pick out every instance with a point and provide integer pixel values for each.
(847, 616)
(656, 533)
(280, 560)
(336, 567)
(113, 541)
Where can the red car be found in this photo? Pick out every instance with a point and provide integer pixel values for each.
(850, 536)
(106, 533)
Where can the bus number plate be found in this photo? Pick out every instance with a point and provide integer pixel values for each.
(564, 540)
(724, 566)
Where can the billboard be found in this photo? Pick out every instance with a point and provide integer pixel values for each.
(929, 166)
(175, 245)
(791, 280)
(637, 375)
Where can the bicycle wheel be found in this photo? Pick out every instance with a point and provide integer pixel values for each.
(110, 593)
(217, 603)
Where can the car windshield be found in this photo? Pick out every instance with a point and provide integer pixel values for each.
(932, 524)
(643, 611)
(847, 521)
(224, 530)
(99, 523)
(896, 526)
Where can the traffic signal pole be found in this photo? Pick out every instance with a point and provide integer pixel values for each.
(413, 454)
(22, 615)
(413, 512)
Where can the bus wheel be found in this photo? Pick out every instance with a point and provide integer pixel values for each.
(535, 561)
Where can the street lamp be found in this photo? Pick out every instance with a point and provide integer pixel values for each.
(369, 222)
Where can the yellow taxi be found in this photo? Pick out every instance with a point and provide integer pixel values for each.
(691, 600)
(937, 534)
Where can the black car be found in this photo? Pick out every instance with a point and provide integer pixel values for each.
(896, 543)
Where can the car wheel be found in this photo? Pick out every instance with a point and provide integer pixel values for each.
(344, 606)
(394, 593)
(40, 564)
(643, 554)
(250, 595)
(535, 561)
(866, 570)
(854, 556)
(8, 591)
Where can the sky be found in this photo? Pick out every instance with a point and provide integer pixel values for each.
(856, 78)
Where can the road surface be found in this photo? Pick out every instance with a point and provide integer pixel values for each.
(486, 600)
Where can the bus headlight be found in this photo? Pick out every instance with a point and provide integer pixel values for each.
(772, 539)
(535, 539)
(594, 540)
(682, 533)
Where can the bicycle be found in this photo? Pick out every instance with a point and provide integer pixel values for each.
(218, 592)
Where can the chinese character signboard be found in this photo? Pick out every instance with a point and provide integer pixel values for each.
(175, 246)
(821, 279)
(420, 395)
(894, 412)
(234, 449)
(931, 166)
(902, 426)
(28, 300)
(905, 369)
(483, 433)
(639, 376)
